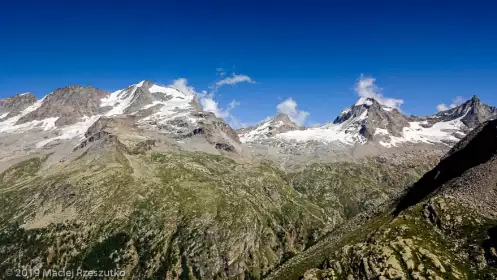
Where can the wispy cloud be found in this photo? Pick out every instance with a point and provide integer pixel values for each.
(366, 87)
(207, 98)
(458, 100)
(221, 72)
(234, 79)
(210, 105)
(289, 107)
(182, 85)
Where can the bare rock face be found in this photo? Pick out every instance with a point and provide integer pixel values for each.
(112, 125)
(368, 115)
(12, 106)
(216, 132)
(281, 124)
(69, 104)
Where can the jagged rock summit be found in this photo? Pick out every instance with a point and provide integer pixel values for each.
(369, 118)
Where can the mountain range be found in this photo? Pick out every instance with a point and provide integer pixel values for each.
(143, 180)
(66, 114)
(369, 121)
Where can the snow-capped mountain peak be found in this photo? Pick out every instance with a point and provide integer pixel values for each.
(267, 128)
(68, 112)
(472, 112)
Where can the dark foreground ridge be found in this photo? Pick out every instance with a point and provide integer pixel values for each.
(477, 148)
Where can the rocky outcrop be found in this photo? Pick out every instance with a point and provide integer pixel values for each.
(216, 132)
(116, 125)
(69, 105)
(13, 106)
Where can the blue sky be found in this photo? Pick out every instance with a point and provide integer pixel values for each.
(424, 52)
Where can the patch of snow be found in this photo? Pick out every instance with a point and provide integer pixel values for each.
(4, 115)
(167, 90)
(110, 100)
(119, 100)
(177, 106)
(363, 116)
(140, 84)
(381, 131)
(388, 109)
(346, 132)
(330, 133)
(9, 125)
(72, 131)
(151, 105)
(437, 133)
(259, 132)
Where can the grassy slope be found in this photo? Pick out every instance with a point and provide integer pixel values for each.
(187, 215)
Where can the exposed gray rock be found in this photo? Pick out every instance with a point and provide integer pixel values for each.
(118, 124)
(473, 113)
(15, 104)
(377, 116)
(69, 104)
(217, 132)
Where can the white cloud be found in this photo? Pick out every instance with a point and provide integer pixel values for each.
(234, 79)
(366, 87)
(207, 99)
(210, 105)
(289, 107)
(455, 102)
(181, 85)
(442, 107)
(235, 123)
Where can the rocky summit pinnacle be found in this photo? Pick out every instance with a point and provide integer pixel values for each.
(367, 115)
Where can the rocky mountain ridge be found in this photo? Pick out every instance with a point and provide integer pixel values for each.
(66, 114)
(367, 121)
